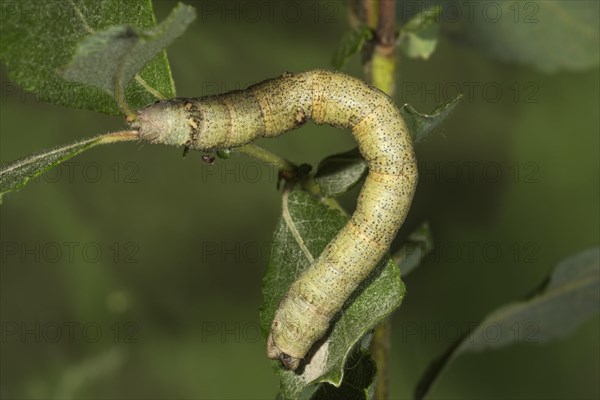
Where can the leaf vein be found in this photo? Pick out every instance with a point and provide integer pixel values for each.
(292, 227)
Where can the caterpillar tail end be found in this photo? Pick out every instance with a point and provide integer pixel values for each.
(274, 353)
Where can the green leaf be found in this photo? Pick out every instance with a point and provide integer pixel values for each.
(548, 35)
(419, 36)
(109, 59)
(418, 244)
(570, 297)
(306, 219)
(40, 37)
(359, 375)
(421, 125)
(352, 42)
(15, 174)
(337, 174)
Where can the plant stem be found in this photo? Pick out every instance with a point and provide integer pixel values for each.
(289, 171)
(383, 63)
(270, 158)
(386, 32)
(121, 136)
(380, 57)
(380, 71)
(380, 350)
(370, 13)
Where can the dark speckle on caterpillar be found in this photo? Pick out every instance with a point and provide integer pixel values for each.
(272, 107)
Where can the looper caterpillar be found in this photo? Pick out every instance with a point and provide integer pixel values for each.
(274, 106)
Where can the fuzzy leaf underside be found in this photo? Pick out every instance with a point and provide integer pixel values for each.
(15, 174)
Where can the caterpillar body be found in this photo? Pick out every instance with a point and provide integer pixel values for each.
(274, 106)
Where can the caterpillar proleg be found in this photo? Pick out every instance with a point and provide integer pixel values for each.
(272, 107)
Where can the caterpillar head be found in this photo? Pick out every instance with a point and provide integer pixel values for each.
(165, 122)
(274, 353)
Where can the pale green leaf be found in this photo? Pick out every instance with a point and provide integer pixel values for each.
(419, 36)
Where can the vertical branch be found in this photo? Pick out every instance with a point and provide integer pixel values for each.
(386, 27)
(380, 349)
(370, 13)
(379, 61)
(383, 59)
(379, 58)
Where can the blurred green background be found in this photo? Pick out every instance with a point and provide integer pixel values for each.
(130, 272)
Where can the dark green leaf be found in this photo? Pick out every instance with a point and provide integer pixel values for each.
(109, 59)
(359, 375)
(336, 174)
(40, 37)
(548, 35)
(352, 42)
(416, 247)
(571, 297)
(15, 174)
(420, 125)
(419, 36)
(316, 224)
